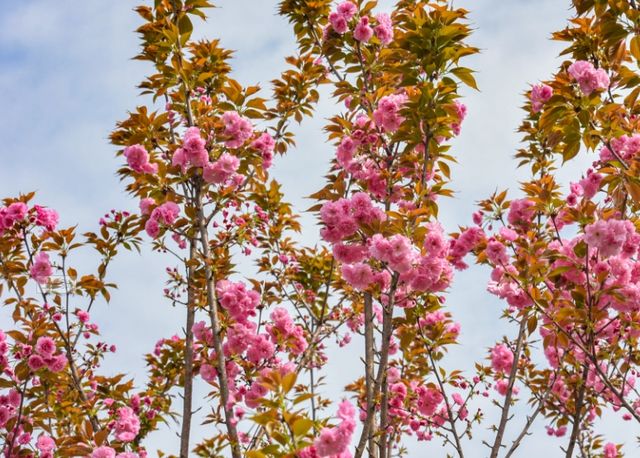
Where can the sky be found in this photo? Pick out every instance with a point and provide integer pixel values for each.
(66, 77)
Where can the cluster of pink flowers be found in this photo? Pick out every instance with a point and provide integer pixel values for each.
(286, 331)
(626, 147)
(521, 211)
(612, 236)
(222, 170)
(163, 215)
(334, 442)
(237, 128)
(17, 212)
(461, 112)
(417, 272)
(432, 272)
(590, 184)
(420, 408)
(588, 77)
(540, 94)
(496, 252)
(239, 301)
(460, 247)
(359, 275)
(502, 386)
(501, 358)
(193, 152)
(41, 268)
(610, 450)
(45, 356)
(108, 452)
(397, 252)
(260, 348)
(557, 432)
(363, 31)
(265, 144)
(343, 217)
(586, 188)
(127, 425)
(46, 217)
(246, 349)
(138, 159)
(45, 445)
(617, 243)
(503, 286)
(387, 114)
(340, 18)
(384, 29)
(428, 400)
(9, 404)
(242, 341)
(11, 214)
(241, 336)
(363, 135)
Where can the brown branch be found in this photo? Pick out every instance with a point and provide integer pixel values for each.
(369, 344)
(577, 416)
(187, 396)
(530, 418)
(504, 418)
(212, 305)
(451, 419)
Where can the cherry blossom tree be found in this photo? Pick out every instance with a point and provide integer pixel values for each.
(196, 159)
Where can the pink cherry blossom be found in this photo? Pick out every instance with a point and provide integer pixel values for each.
(46, 217)
(588, 77)
(387, 114)
(363, 31)
(41, 268)
(384, 29)
(127, 425)
(237, 128)
(501, 358)
(138, 159)
(103, 452)
(540, 94)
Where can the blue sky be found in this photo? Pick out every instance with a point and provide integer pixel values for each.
(67, 76)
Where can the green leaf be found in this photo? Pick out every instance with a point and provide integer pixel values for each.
(185, 26)
(301, 426)
(466, 76)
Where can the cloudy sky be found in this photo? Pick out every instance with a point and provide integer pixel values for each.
(67, 76)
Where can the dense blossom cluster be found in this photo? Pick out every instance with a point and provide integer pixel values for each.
(429, 269)
(588, 77)
(138, 159)
(18, 213)
(334, 442)
(247, 351)
(626, 147)
(193, 153)
(363, 31)
(387, 114)
(540, 94)
(163, 215)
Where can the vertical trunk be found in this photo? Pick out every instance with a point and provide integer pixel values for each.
(187, 410)
(369, 373)
(212, 305)
(387, 331)
(504, 418)
(577, 416)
